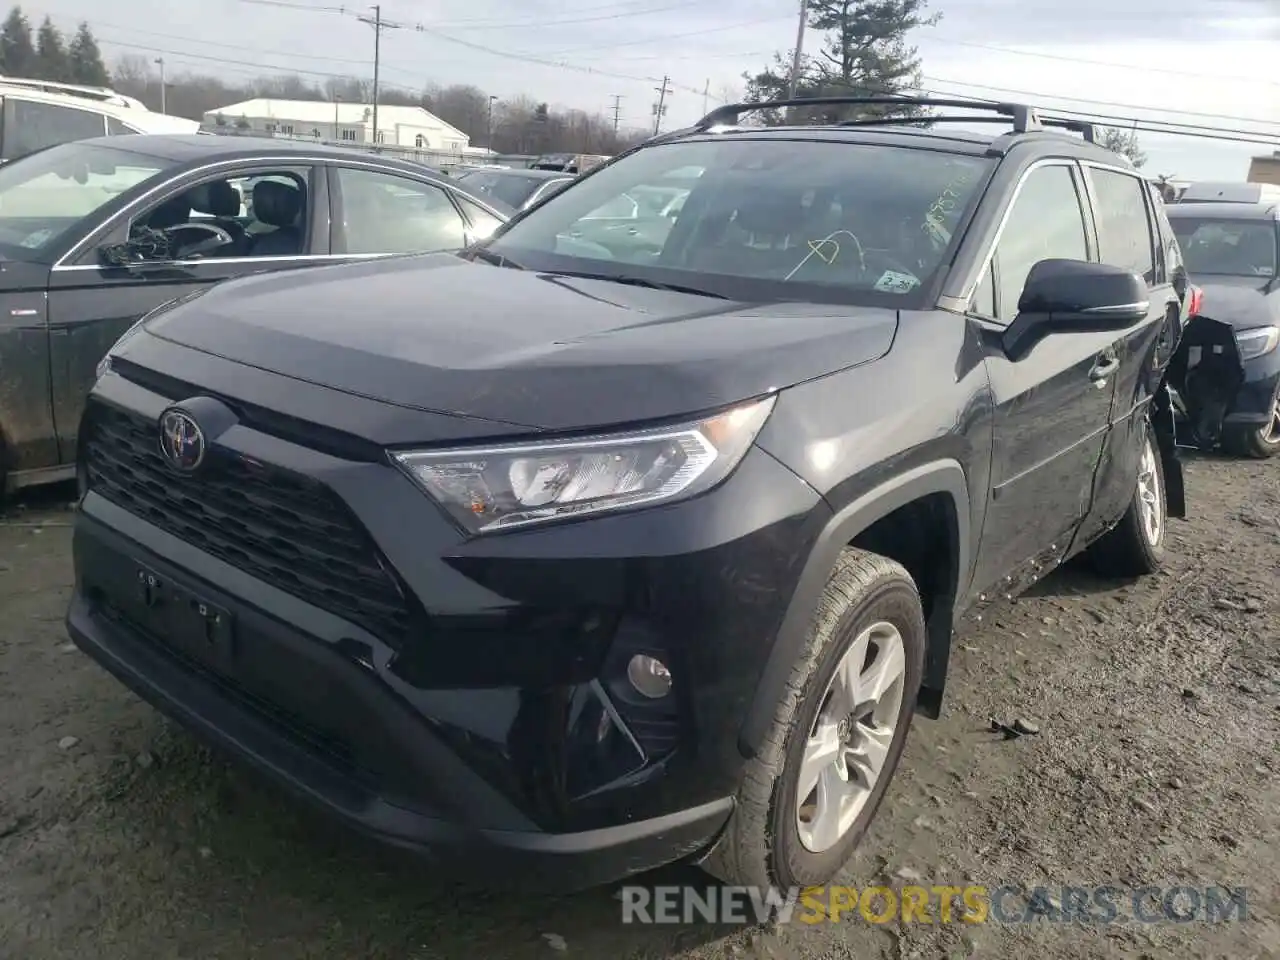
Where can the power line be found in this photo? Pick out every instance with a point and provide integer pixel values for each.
(1097, 63)
(528, 24)
(1102, 103)
(674, 36)
(661, 106)
(378, 25)
(1147, 124)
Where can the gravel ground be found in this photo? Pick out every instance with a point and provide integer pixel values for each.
(1157, 702)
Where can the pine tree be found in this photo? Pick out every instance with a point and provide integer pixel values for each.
(17, 52)
(51, 54)
(1124, 143)
(864, 53)
(86, 59)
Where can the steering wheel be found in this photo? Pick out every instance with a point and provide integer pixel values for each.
(215, 239)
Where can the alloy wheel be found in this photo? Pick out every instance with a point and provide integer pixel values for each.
(851, 737)
(1150, 496)
(1271, 431)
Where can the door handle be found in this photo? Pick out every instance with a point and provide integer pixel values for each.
(1104, 368)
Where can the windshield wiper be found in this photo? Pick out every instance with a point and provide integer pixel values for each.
(638, 282)
(497, 259)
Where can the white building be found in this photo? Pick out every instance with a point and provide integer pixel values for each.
(411, 127)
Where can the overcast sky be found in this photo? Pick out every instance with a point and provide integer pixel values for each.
(1200, 62)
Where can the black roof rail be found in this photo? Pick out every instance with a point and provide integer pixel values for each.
(1025, 118)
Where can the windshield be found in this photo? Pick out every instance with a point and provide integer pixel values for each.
(757, 219)
(511, 188)
(45, 195)
(1237, 248)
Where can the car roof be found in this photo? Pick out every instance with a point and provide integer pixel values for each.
(195, 147)
(1024, 126)
(193, 150)
(521, 172)
(952, 140)
(1224, 210)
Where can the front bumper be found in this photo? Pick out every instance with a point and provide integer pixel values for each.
(1254, 402)
(497, 727)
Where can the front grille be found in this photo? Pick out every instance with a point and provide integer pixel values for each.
(282, 528)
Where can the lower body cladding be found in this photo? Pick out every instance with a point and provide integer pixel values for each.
(321, 619)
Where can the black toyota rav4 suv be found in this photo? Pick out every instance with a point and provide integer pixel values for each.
(567, 555)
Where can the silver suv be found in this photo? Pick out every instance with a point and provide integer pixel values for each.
(39, 114)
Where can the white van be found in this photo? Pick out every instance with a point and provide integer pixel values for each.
(1212, 191)
(38, 114)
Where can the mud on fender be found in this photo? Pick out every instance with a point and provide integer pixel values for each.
(1203, 377)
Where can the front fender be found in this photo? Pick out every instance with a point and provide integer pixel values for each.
(945, 477)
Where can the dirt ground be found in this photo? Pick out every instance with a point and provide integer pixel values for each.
(1158, 704)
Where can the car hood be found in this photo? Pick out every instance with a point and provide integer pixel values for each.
(1242, 302)
(551, 353)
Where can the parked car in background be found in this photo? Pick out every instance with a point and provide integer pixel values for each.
(1231, 252)
(96, 233)
(1211, 191)
(580, 559)
(517, 189)
(574, 163)
(39, 114)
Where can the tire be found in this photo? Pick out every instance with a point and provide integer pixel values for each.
(763, 842)
(1135, 546)
(1257, 443)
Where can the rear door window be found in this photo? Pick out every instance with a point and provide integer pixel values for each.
(1124, 227)
(385, 213)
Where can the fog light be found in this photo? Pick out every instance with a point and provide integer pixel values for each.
(649, 676)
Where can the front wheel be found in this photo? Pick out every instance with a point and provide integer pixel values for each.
(837, 735)
(1258, 443)
(1135, 547)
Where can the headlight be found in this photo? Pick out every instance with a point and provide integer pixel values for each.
(497, 488)
(1257, 342)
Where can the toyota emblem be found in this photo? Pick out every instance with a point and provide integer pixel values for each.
(181, 440)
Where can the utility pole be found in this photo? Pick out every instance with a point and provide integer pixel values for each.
(378, 25)
(795, 60)
(163, 101)
(617, 111)
(706, 92)
(661, 105)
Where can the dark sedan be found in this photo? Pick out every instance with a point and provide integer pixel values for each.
(1231, 254)
(95, 234)
(518, 189)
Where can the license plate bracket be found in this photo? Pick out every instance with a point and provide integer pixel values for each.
(184, 618)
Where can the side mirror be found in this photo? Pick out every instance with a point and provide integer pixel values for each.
(1074, 296)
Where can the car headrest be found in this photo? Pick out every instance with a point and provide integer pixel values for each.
(771, 213)
(217, 199)
(170, 213)
(276, 203)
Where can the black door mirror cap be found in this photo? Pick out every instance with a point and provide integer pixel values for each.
(1075, 296)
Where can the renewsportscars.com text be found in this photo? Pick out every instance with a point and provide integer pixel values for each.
(941, 903)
